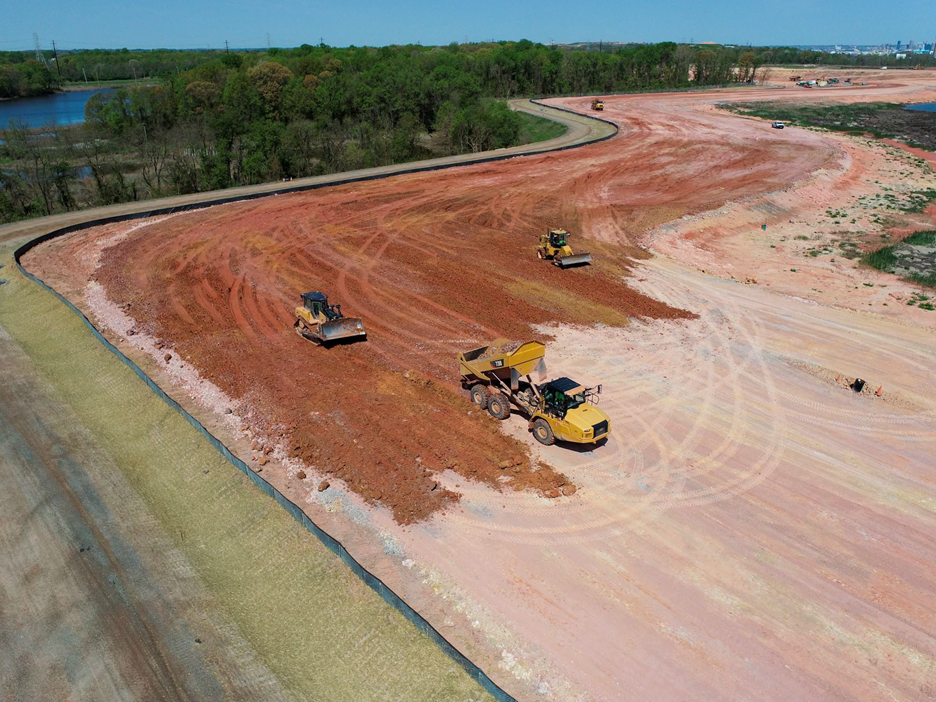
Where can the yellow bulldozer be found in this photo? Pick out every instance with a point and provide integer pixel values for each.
(598, 104)
(322, 323)
(554, 246)
(501, 374)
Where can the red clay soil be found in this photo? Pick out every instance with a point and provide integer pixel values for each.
(434, 263)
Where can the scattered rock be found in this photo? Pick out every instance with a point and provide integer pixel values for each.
(301, 475)
(229, 411)
(131, 332)
(568, 490)
(167, 357)
(323, 486)
(264, 460)
(504, 465)
(551, 493)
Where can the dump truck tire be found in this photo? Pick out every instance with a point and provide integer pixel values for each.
(498, 406)
(543, 433)
(479, 396)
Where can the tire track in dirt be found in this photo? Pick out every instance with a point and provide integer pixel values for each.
(433, 263)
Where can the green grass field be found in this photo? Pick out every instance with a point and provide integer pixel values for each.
(883, 120)
(321, 630)
(99, 84)
(534, 129)
(889, 258)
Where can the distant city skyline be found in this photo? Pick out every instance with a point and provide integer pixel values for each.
(195, 24)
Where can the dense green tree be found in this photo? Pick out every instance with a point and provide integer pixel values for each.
(212, 119)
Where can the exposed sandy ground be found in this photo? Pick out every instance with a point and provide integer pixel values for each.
(753, 530)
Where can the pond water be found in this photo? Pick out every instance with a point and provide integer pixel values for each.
(923, 107)
(59, 108)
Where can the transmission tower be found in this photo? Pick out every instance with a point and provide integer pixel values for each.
(39, 57)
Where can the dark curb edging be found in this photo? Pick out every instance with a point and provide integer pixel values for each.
(329, 541)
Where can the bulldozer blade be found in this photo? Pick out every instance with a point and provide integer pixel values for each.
(345, 328)
(577, 260)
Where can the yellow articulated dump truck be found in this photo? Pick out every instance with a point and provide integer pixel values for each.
(501, 374)
(598, 104)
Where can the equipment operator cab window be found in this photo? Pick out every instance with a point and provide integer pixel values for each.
(557, 240)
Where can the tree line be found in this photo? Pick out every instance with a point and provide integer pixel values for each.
(217, 119)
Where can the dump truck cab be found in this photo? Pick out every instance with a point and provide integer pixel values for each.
(562, 395)
(569, 409)
(320, 322)
(500, 375)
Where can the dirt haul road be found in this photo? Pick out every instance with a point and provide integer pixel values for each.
(752, 529)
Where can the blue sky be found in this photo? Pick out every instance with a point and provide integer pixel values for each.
(198, 24)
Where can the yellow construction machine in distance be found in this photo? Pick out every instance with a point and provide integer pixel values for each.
(554, 246)
(598, 104)
(322, 323)
(501, 374)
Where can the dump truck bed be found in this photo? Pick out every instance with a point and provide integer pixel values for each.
(499, 357)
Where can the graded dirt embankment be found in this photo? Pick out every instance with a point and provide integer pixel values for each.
(433, 263)
(750, 529)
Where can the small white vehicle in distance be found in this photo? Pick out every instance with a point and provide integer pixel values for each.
(777, 125)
